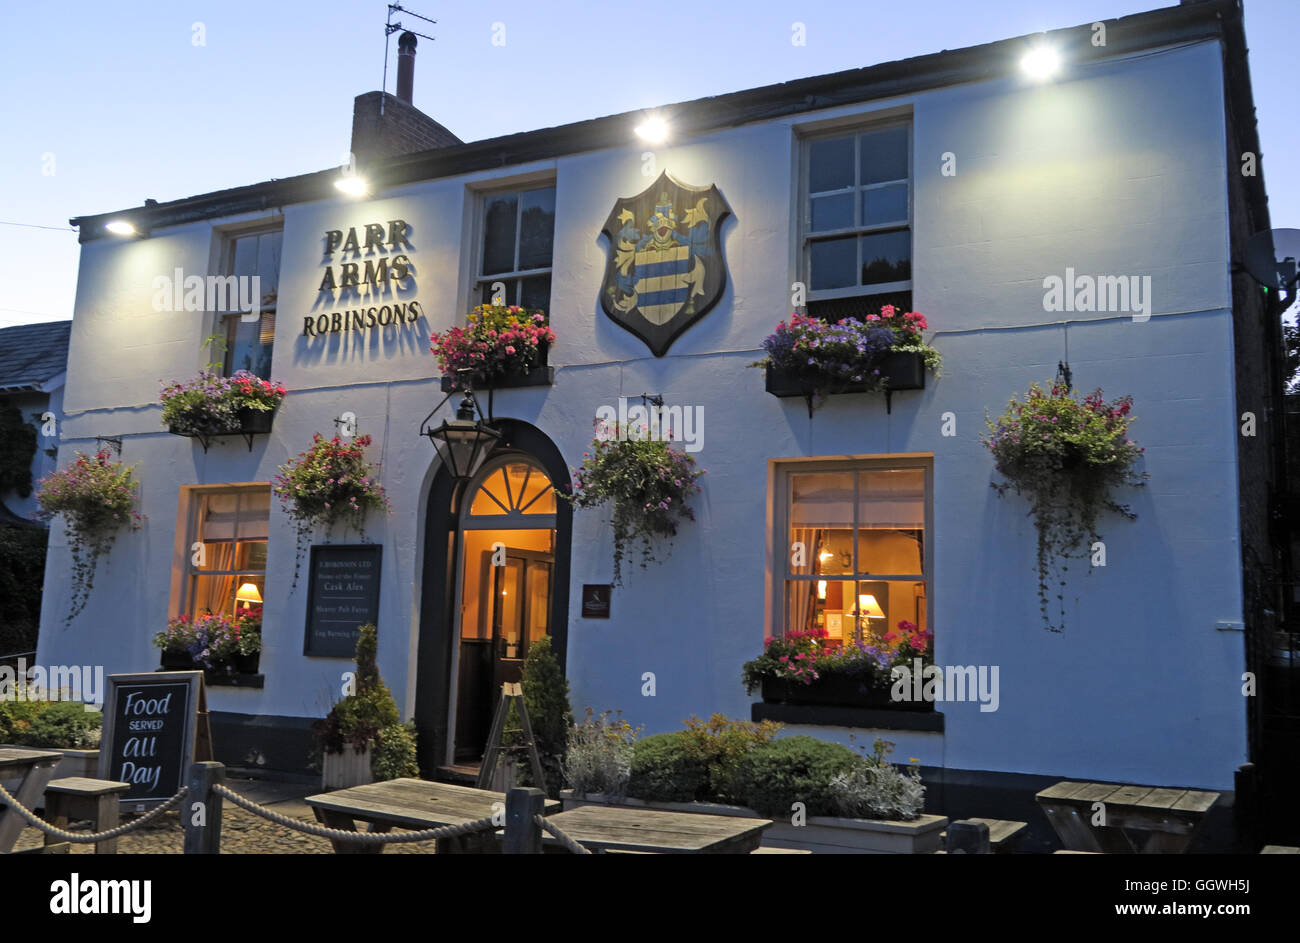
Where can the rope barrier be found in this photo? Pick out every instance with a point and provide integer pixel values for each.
(445, 831)
(562, 838)
(81, 838)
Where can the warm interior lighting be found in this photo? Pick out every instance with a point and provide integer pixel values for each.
(248, 593)
(821, 589)
(1041, 62)
(120, 227)
(654, 129)
(868, 608)
(352, 185)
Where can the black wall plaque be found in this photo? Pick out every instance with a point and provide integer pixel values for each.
(342, 596)
(150, 727)
(595, 600)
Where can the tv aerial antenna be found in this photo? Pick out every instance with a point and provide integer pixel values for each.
(389, 29)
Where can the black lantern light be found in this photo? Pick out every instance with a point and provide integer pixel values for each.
(465, 441)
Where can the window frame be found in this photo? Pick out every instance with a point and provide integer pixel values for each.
(226, 321)
(781, 570)
(806, 234)
(189, 572)
(515, 275)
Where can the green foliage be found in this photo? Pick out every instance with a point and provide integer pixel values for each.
(96, 497)
(599, 757)
(394, 756)
(63, 724)
(22, 575)
(647, 482)
(778, 774)
(664, 771)
(19, 440)
(1065, 456)
(546, 697)
(875, 789)
(359, 717)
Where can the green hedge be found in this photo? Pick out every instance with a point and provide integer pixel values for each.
(776, 775)
(663, 770)
(64, 724)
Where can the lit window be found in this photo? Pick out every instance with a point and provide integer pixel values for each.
(852, 538)
(230, 529)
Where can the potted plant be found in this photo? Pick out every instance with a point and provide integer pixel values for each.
(882, 352)
(810, 668)
(647, 481)
(96, 497)
(362, 739)
(211, 405)
(331, 482)
(221, 646)
(1067, 457)
(503, 346)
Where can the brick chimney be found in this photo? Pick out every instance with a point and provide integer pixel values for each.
(405, 66)
(388, 125)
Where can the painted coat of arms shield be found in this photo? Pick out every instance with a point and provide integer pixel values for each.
(665, 268)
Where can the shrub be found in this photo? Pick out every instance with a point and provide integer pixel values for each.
(546, 696)
(719, 746)
(664, 770)
(793, 769)
(63, 724)
(394, 755)
(359, 717)
(874, 788)
(599, 757)
(22, 574)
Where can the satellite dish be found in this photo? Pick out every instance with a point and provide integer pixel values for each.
(1273, 258)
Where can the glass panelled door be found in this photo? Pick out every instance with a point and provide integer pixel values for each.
(522, 596)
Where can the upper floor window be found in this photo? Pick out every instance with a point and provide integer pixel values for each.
(851, 546)
(248, 343)
(517, 236)
(856, 221)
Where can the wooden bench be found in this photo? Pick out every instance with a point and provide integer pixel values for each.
(1003, 834)
(1167, 817)
(77, 797)
(1279, 850)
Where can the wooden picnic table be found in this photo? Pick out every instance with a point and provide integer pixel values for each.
(619, 828)
(1167, 817)
(414, 804)
(32, 769)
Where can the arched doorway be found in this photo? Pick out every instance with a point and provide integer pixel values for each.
(496, 579)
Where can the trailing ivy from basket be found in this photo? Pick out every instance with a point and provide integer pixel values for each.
(96, 498)
(330, 483)
(647, 482)
(1066, 457)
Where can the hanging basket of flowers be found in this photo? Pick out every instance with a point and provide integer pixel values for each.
(330, 483)
(96, 498)
(1067, 457)
(503, 346)
(211, 405)
(648, 483)
(881, 353)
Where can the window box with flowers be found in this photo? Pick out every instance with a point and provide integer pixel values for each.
(211, 406)
(503, 347)
(808, 669)
(225, 648)
(813, 358)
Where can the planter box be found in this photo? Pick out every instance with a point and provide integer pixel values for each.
(244, 676)
(349, 768)
(821, 834)
(251, 422)
(903, 371)
(836, 692)
(540, 375)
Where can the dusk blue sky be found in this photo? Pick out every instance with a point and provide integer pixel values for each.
(129, 107)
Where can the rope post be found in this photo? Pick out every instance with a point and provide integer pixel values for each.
(523, 835)
(201, 815)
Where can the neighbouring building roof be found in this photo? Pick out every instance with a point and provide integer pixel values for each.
(31, 355)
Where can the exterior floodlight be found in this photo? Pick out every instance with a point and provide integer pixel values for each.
(120, 227)
(352, 185)
(1041, 63)
(654, 130)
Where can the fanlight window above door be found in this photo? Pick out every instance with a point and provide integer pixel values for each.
(510, 488)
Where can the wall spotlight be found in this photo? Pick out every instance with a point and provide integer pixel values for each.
(654, 129)
(1041, 63)
(120, 227)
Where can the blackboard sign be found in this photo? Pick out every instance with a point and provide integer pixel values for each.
(152, 723)
(595, 600)
(342, 596)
